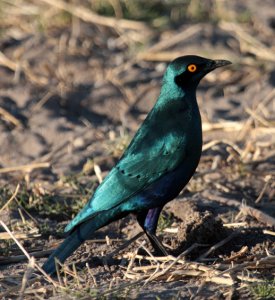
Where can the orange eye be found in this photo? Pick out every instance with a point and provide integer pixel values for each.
(192, 68)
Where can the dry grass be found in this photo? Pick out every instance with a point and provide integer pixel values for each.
(237, 154)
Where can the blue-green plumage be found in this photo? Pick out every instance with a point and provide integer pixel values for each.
(157, 164)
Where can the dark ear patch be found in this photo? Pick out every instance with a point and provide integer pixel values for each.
(182, 79)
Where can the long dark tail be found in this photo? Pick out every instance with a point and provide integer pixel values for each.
(83, 232)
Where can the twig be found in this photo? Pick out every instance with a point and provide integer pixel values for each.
(224, 125)
(174, 261)
(19, 235)
(131, 262)
(166, 258)
(9, 117)
(268, 179)
(8, 63)
(157, 265)
(236, 224)
(163, 56)
(225, 142)
(26, 277)
(15, 289)
(98, 172)
(175, 39)
(249, 121)
(89, 16)
(255, 116)
(266, 261)
(171, 230)
(265, 231)
(11, 198)
(245, 209)
(149, 258)
(18, 258)
(126, 244)
(41, 102)
(15, 240)
(258, 215)
(243, 250)
(256, 162)
(26, 168)
(27, 213)
(248, 42)
(27, 254)
(218, 245)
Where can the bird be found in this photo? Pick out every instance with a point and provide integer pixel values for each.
(158, 163)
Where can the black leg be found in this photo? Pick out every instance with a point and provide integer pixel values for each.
(148, 220)
(157, 245)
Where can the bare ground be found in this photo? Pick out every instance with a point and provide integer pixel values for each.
(74, 89)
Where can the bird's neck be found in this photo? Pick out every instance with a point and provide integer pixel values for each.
(187, 97)
(171, 91)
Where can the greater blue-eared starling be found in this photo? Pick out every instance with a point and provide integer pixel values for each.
(157, 164)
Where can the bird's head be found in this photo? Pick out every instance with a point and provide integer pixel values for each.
(187, 71)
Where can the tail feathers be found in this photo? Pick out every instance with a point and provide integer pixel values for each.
(69, 245)
(81, 233)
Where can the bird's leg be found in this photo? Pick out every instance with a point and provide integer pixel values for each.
(148, 221)
(156, 243)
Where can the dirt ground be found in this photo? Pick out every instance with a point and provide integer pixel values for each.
(76, 81)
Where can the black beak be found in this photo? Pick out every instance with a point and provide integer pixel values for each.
(218, 63)
(221, 63)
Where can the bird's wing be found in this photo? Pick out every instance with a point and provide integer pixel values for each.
(136, 170)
